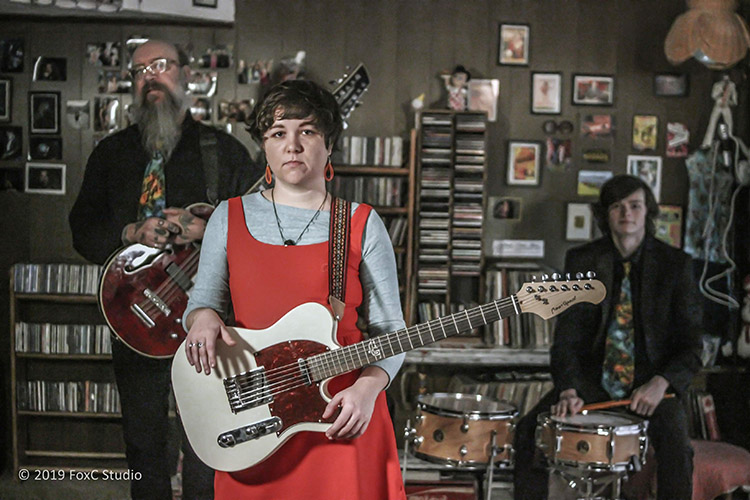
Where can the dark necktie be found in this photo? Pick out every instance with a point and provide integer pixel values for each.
(619, 351)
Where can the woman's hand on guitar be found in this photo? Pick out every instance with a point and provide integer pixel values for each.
(191, 227)
(154, 232)
(568, 404)
(356, 404)
(205, 327)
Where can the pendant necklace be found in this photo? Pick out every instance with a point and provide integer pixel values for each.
(288, 242)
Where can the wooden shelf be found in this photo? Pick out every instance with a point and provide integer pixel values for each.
(368, 170)
(67, 414)
(478, 356)
(74, 454)
(63, 299)
(64, 357)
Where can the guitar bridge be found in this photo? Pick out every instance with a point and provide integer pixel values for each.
(157, 301)
(247, 390)
(249, 432)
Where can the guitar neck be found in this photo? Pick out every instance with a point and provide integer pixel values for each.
(346, 359)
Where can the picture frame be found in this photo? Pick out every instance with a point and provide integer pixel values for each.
(668, 225)
(12, 55)
(593, 90)
(513, 44)
(507, 208)
(11, 142)
(579, 225)
(597, 126)
(645, 132)
(45, 148)
(44, 112)
(678, 139)
(671, 85)
(558, 153)
(11, 179)
(45, 178)
(546, 93)
(590, 182)
(6, 99)
(52, 69)
(524, 168)
(647, 168)
(206, 3)
(104, 54)
(482, 96)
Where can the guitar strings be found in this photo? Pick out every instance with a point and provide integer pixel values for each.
(169, 288)
(275, 384)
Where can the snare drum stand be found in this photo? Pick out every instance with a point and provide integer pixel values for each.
(591, 483)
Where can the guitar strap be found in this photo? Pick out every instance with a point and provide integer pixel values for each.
(338, 252)
(210, 157)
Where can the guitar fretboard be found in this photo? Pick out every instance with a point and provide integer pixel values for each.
(356, 356)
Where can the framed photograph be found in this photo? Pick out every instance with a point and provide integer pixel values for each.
(205, 3)
(105, 54)
(114, 82)
(482, 96)
(44, 112)
(558, 155)
(678, 137)
(669, 225)
(505, 208)
(6, 89)
(11, 142)
(106, 114)
(45, 178)
(546, 93)
(45, 148)
(78, 114)
(11, 179)
(523, 163)
(593, 90)
(513, 44)
(202, 83)
(645, 129)
(647, 168)
(590, 182)
(50, 69)
(200, 108)
(671, 85)
(11, 55)
(597, 126)
(579, 225)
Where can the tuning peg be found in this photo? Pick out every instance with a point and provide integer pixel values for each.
(567, 276)
(533, 278)
(591, 275)
(579, 276)
(545, 277)
(556, 276)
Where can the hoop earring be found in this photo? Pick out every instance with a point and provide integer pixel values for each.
(329, 170)
(269, 175)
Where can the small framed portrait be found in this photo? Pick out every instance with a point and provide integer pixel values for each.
(678, 137)
(671, 85)
(44, 112)
(105, 54)
(206, 3)
(45, 148)
(546, 93)
(505, 208)
(50, 69)
(597, 126)
(513, 44)
(579, 226)
(114, 82)
(523, 163)
(45, 178)
(645, 129)
(593, 90)
(11, 142)
(558, 154)
(647, 168)
(669, 225)
(11, 55)
(6, 89)
(202, 83)
(106, 114)
(11, 179)
(200, 108)
(79, 114)
(590, 182)
(482, 96)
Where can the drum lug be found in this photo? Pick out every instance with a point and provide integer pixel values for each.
(463, 450)
(417, 441)
(465, 424)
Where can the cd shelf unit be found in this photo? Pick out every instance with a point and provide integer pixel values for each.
(452, 166)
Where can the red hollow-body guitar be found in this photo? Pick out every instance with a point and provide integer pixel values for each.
(273, 383)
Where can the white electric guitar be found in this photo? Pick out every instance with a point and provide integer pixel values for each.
(273, 383)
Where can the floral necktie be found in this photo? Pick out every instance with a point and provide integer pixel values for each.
(619, 352)
(153, 199)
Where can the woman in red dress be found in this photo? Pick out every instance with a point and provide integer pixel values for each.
(268, 252)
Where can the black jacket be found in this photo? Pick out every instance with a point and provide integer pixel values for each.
(668, 311)
(112, 184)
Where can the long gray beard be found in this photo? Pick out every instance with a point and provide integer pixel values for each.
(160, 123)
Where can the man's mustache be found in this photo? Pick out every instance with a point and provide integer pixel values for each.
(149, 86)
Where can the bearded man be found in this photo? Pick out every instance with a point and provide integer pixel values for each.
(135, 189)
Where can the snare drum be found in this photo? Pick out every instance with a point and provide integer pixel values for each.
(457, 429)
(596, 440)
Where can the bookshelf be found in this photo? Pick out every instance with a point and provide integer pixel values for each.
(390, 190)
(451, 169)
(65, 411)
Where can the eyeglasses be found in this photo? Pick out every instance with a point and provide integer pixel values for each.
(156, 67)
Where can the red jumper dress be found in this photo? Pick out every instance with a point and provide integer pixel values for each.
(266, 282)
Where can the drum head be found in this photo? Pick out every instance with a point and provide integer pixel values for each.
(464, 404)
(601, 419)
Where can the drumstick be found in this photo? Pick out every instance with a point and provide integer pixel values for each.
(612, 404)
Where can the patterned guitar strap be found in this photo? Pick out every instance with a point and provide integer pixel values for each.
(338, 252)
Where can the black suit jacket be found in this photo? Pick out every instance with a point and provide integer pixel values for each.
(669, 312)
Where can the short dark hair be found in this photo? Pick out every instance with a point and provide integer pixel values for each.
(618, 188)
(297, 99)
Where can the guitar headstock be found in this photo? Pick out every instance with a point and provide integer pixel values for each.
(549, 298)
(349, 89)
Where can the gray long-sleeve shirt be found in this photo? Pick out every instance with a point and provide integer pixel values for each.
(381, 304)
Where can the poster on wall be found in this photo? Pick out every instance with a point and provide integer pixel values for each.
(482, 96)
(669, 225)
(648, 168)
(590, 182)
(678, 137)
(44, 112)
(645, 129)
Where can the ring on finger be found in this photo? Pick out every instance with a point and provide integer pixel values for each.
(161, 222)
(190, 344)
(199, 344)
